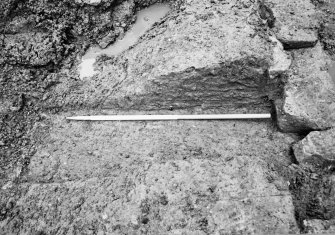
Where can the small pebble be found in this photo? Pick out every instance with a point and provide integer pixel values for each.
(104, 216)
(314, 176)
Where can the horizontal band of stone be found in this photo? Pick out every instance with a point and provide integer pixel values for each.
(169, 117)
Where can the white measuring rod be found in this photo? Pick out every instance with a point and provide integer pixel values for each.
(169, 117)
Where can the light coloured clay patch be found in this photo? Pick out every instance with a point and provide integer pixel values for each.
(86, 68)
(145, 20)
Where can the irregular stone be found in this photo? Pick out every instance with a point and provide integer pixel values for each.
(109, 38)
(327, 34)
(121, 14)
(5, 105)
(266, 13)
(309, 95)
(203, 56)
(32, 49)
(281, 60)
(296, 23)
(317, 148)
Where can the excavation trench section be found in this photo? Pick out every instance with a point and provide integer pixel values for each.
(243, 84)
(159, 170)
(230, 70)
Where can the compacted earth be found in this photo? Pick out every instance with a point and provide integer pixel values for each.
(268, 176)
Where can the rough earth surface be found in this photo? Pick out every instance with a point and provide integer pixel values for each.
(185, 177)
(192, 177)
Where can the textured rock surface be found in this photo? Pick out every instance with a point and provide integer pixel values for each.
(317, 149)
(309, 94)
(318, 226)
(322, 219)
(163, 177)
(327, 22)
(281, 59)
(296, 23)
(122, 13)
(313, 197)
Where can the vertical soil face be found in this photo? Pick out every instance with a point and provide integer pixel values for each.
(210, 177)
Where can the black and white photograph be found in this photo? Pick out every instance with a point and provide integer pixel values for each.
(167, 117)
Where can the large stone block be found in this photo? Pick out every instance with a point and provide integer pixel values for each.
(309, 95)
(295, 23)
(317, 149)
